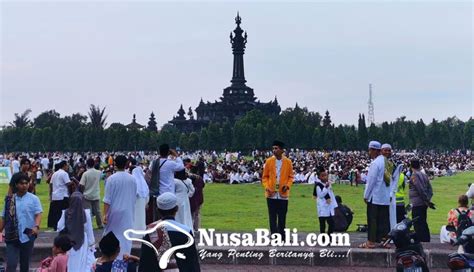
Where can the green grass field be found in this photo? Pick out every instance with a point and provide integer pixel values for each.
(243, 207)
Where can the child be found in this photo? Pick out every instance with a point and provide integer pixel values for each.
(58, 262)
(325, 201)
(39, 176)
(110, 248)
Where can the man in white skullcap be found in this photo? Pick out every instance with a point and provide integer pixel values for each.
(377, 197)
(167, 207)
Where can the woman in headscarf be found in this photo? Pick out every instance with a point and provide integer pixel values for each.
(76, 223)
(142, 196)
(184, 190)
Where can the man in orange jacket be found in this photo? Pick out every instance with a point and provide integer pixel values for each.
(277, 179)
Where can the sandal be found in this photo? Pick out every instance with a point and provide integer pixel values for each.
(381, 245)
(366, 245)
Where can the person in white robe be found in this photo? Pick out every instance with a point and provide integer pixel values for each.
(184, 190)
(119, 204)
(143, 194)
(76, 223)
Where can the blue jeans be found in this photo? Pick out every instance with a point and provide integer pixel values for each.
(22, 251)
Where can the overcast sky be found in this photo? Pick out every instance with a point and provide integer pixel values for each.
(153, 56)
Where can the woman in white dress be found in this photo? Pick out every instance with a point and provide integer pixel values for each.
(76, 223)
(184, 190)
(143, 194)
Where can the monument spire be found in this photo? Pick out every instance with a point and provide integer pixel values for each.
(238, 42)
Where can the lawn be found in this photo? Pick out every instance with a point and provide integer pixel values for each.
(243, 207)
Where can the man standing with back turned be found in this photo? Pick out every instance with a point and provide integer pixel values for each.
(277, 179)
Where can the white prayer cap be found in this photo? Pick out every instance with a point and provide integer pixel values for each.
(374, 145)
(386, 146)
(166, 201)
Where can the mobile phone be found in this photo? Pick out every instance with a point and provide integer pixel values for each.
(28, 231)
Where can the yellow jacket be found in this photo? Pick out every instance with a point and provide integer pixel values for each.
(269, 175)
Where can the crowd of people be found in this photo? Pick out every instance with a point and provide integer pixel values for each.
(237, 167)
(131, 200)
(145, 188)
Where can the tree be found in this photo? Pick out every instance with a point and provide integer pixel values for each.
(193, 141)
(25, 139)
(386, 133)
(373, 132)
(362, 134)
(47, 140)
(59, 136)
(75, 121)
(239, 135)
(45, 119)
(444, 140)
(327, 120)
(214, 136)
(468, 134)
(316, 139)
(340, 140)
(226, 134)
(203, 143)
(420, 134)
(21, 120)
(456, 129)
(410, 138)
(433, 134)
(68, 135)
(329, 143)
(37, 140)
(351, 136)
(183, 141)
(97, 116)
(152, 123)
(79, 137)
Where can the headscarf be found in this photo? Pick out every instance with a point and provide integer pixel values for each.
(142, 186)
(75, 220)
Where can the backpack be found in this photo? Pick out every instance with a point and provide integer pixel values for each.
(153, 177)
(464, 222)
(348, 214)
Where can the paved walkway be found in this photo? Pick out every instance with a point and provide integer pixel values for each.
(298, 258)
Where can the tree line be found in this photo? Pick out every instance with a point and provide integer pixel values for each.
(297, 127)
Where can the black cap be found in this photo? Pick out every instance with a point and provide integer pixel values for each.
(109, 244)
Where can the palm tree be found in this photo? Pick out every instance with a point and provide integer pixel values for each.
(21, 120)
(97, 116)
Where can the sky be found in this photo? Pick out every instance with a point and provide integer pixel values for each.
(137, 57)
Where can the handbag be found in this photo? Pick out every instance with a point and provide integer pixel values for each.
(11, 220)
